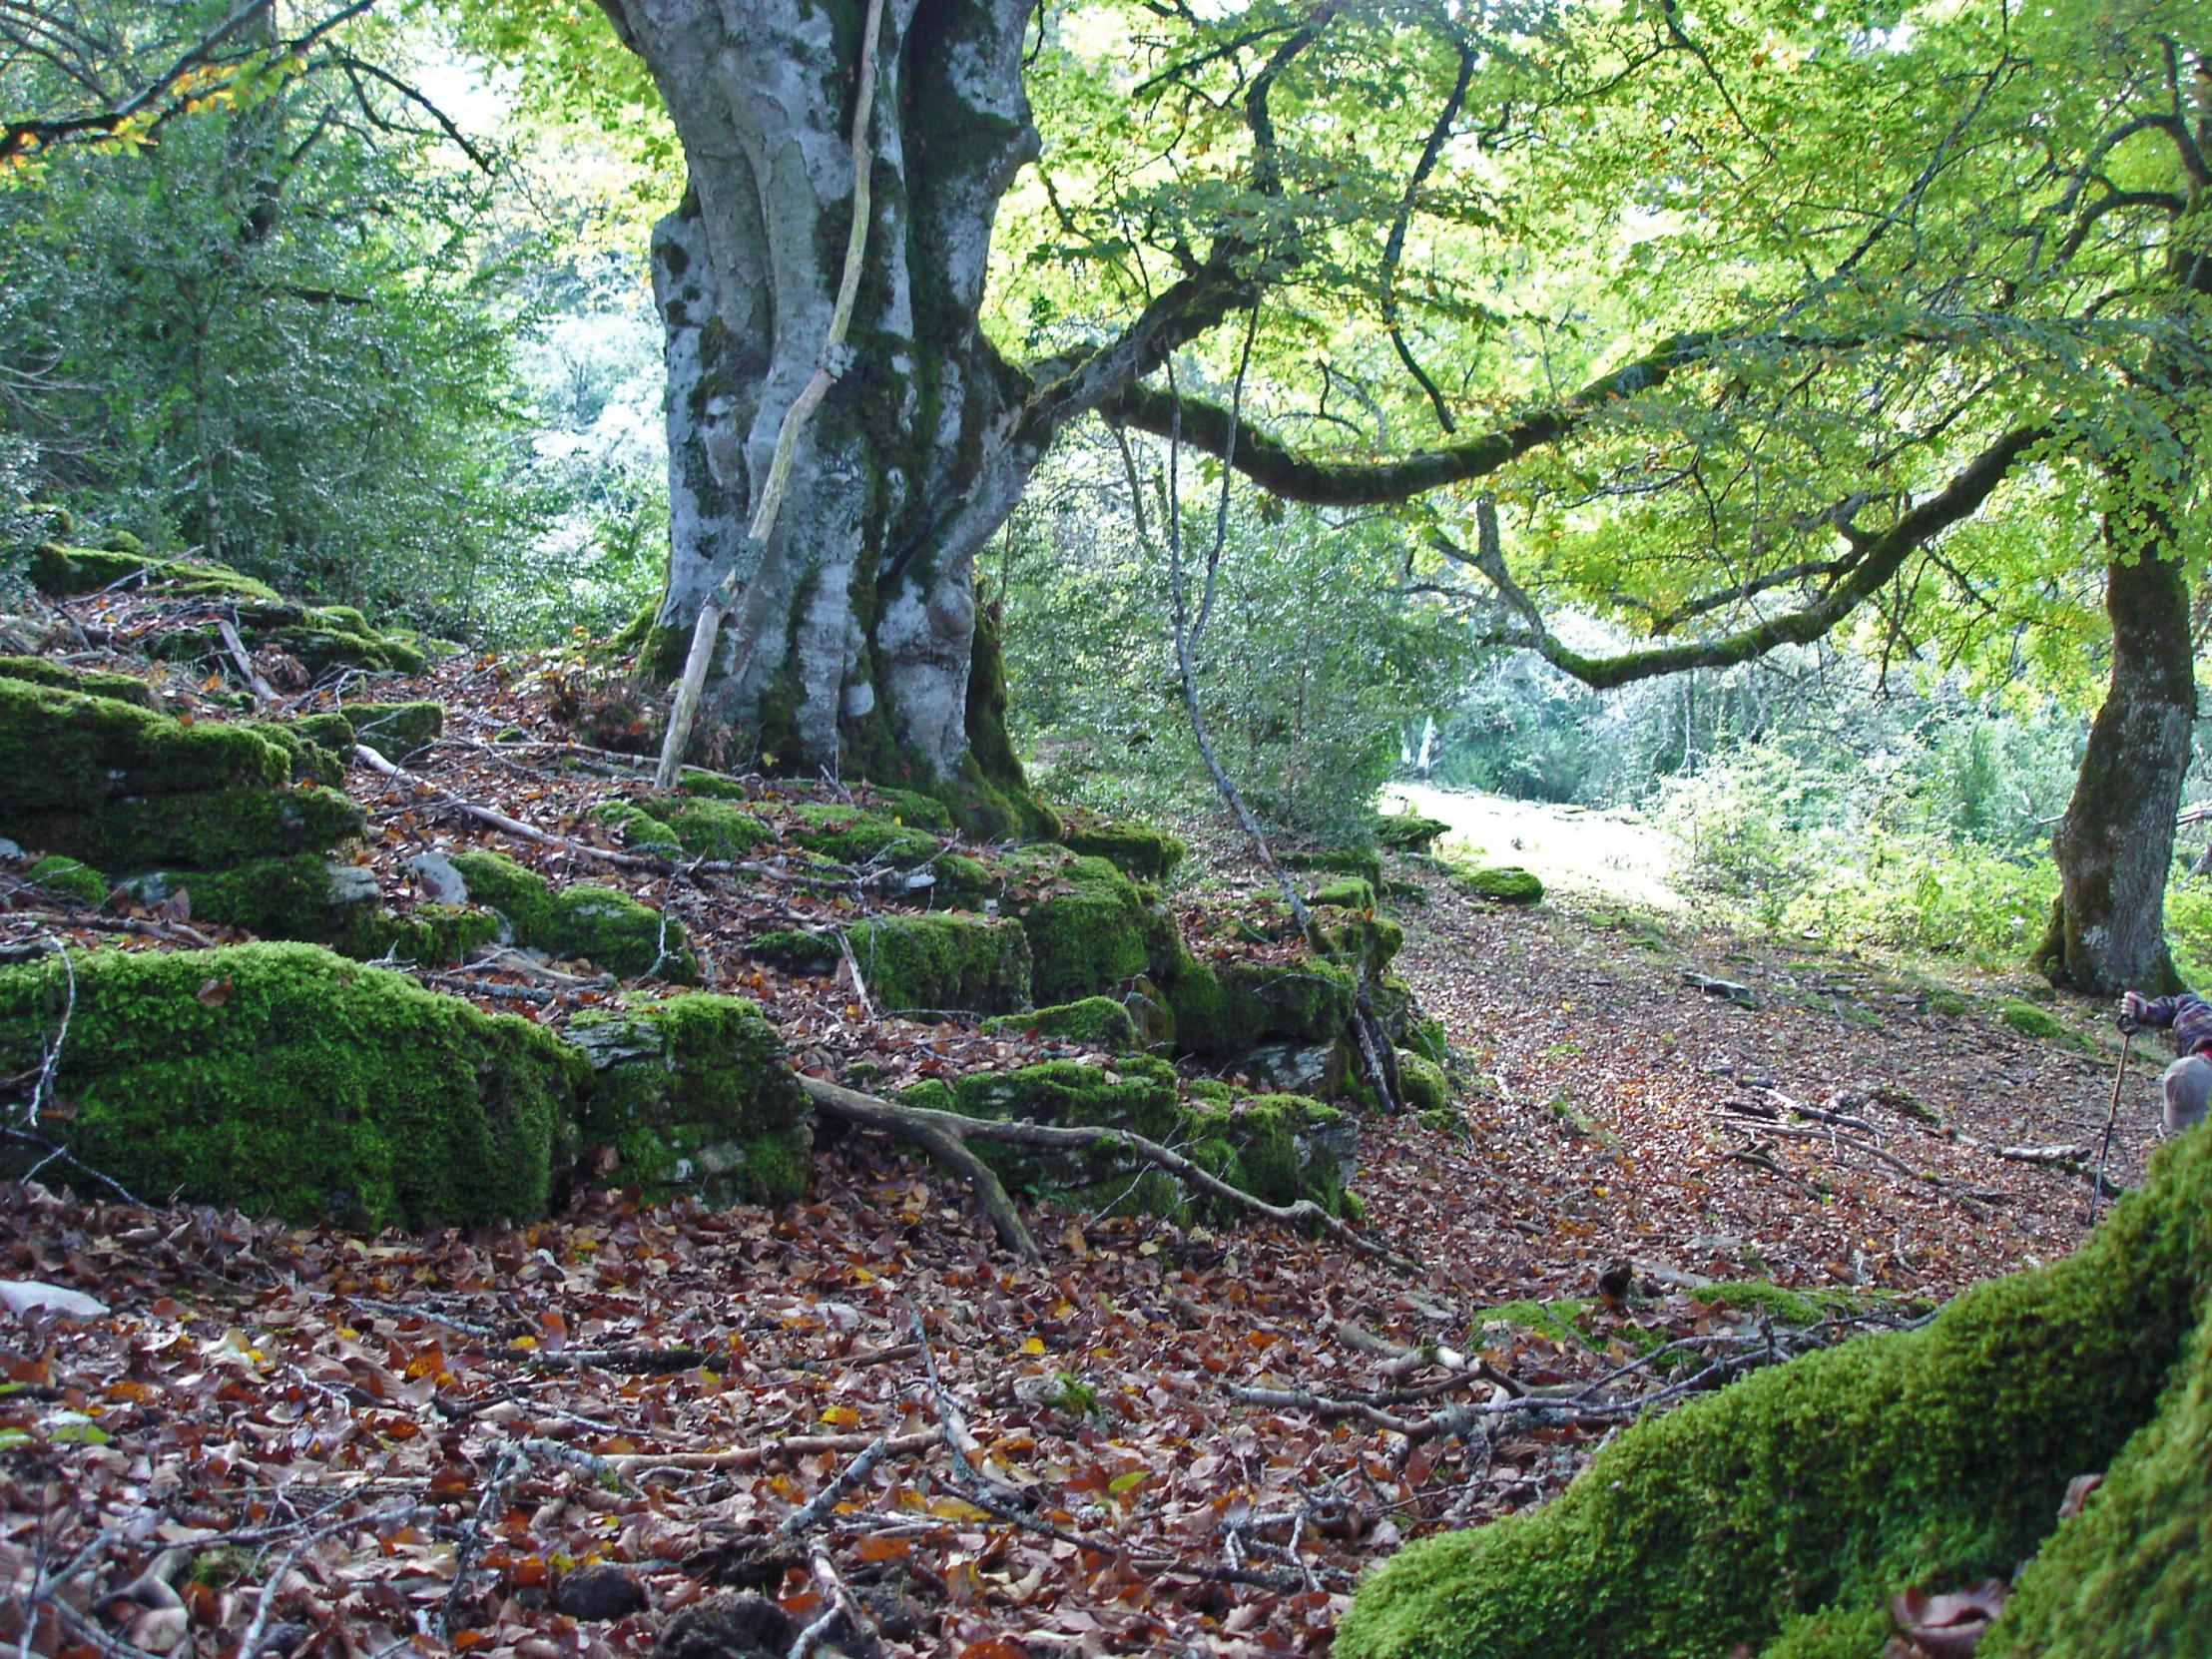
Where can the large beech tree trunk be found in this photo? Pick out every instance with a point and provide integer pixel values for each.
(2115, 845)
(852, 641)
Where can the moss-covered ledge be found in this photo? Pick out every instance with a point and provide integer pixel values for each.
(289, 1081)
(1776, 1516)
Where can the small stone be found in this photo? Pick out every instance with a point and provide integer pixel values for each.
(9, 850)
(598, 1593)
(437, 877)
(352, 885)
(22, 1296)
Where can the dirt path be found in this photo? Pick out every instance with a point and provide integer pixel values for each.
(1611, 855)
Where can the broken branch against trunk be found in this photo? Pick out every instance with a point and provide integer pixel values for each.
(1884, 556)
(828, 368)
(862, 1467)
(915, 1123)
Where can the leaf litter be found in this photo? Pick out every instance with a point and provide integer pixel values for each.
(568, 1438)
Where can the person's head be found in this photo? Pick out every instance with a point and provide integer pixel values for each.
(2188, 1087)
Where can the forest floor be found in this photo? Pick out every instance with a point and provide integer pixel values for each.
(1194, 1439)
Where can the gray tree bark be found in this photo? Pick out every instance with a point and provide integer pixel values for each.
(854, 639)
(2115, 845)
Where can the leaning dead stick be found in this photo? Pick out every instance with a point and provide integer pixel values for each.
(2111, 1117)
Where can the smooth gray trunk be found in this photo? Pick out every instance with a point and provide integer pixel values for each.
(863, 620)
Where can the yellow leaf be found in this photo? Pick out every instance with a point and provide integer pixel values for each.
(841, 1416)
(1035, 1344)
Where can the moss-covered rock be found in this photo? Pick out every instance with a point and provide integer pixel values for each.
(123, 789)
(607, 928)
(854, 837)
(1409, 831)
(70, 877)
(693, 1096)
(313, 761)
(1504, 883)
(1094, 1019)
(714, 828)
(1780, 1512)
(63, 571)
(907, 807)
(2029, 1020)
(1350, 892)
(1420, 1082)
(321, 637)
(1134, 848)
(1222, 1009)
(37, 671)
(289, 1081)
(1090, 931)
(1363, 862)
(945, 961)
(309, 899)
(1278, 1147)
(396, 731)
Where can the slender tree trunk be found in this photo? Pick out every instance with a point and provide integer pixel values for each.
(2115, 845)
(853, 642)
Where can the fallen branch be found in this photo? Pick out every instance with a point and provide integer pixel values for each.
(753, 1457)
(799, 1520)
(264, 693)
(2045, 1154)
(171, 932)
(950, 1131)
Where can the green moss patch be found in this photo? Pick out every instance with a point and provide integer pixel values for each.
(2029, 1020)
(600, 925)
(854, 837)
(909, 807)
(37, 671)
(1409, 831)
(63, 571)
(1090, 930)
(1351, 892)
(1094, 1019)
(693, 1096)
(1503, 884)
(946, 961)
(1558, 1321)
(1759, 1295)
(1420, 1082)
(287, 1081)
(1278, 1147)
(1780, 1512)
(1363, 862)
(70, 878)
(1135, 849)
(1222, 1009)
(124, 789)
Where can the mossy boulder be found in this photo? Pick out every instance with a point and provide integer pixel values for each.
(1223, 1008)
(1409, 831)
(601, 926)
(1090, 931)
(124, 789)
(945, 961)
(854, 837)
(313, 761)
(1279, 1148)
(695, 1098)
(321, 637)
(37, 671)
(1094, 1019)
(1133, 849)
(63, 571)
(1350, 892)
(71, 878)
(1421, 1085)
(1777, 1516)
(309, 899)
(289, 1081)
(910, 807)
(396, 731)
(1504, 885)
(1363, 862)
(2029, 1020)
(676, 827)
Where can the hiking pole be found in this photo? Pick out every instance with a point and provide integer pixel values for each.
(2128, 1040)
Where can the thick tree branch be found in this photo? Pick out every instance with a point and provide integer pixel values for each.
(1283, 472)
(1884, 556)
(1393, 248)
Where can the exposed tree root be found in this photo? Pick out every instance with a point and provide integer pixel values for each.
(947, 1134)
